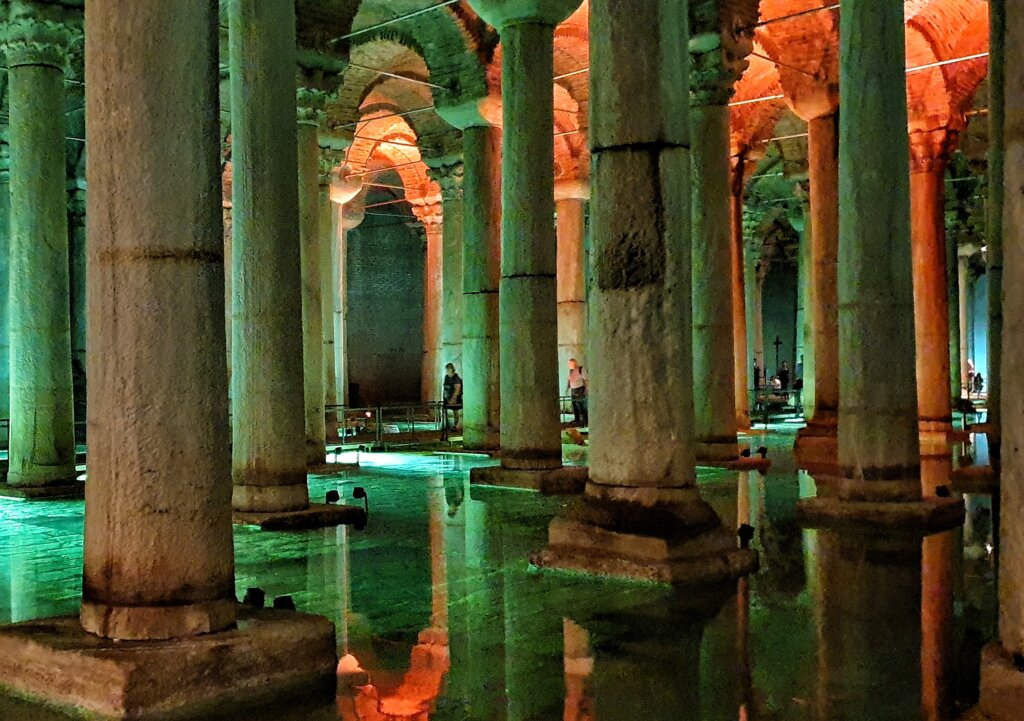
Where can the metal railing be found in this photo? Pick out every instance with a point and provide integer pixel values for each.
(385, 425)
(767, 403)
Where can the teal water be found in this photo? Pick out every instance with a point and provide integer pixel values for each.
(440, 617)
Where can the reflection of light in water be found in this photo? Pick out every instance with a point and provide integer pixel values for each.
(342, 456)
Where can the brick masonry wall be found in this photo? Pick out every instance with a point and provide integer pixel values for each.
(385, 310)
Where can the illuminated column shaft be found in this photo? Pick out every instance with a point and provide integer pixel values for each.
(310, 241)
(879, 455)
(481, 263)
(953, 311)
(808, 398)
(931, 309)
(451, 269)
(530, 426)
(741, 358)
(714, 390)
(994, 231)
(158, 548)
(42, 441)
(965, 331)
(268, 447)
(433, 368)
(570, 282)
(327, 236)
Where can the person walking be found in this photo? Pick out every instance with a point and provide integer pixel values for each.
(783, 374)
(452, 397)
(576, 387)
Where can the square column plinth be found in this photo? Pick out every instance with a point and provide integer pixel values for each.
(63, 491)
(1002, 685)
(270, 654)
(317, 515)
(563, 481)
(927, 516)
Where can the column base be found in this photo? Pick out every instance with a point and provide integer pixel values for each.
(315, 516)
(284, 498)
(817, 447)
(1002, 685)
(69, 489)
(975, 479)
(716, 451)
(740, 463)
(927, 516)
(327, 469)
(707, 558)
(273, 653)
(564, 481)
(936, 436)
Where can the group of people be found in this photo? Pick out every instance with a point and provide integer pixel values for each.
(780, 381)
(575, 387)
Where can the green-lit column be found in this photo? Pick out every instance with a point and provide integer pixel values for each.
(268, 450)
(5, 261)
(451, 266)
(878, 479)
(42, 442)
(310, 105)
(571, 204)
(530, 426)
(953, 312)
(327, 231)
(481, 266)
(158, 554)
(713, 70)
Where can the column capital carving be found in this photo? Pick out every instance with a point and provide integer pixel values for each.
(37, 40)
(930, 150)
(329, 160)
(721, 38)
(449, 178)
(310, 105)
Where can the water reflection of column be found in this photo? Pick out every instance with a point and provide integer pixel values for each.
(578, 661)
(870, 599)
(438, 566)
(22, 578)
(485, 670)
(456, 502)
(937, 625)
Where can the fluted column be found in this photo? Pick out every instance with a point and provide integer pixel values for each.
(641, 515)
(530, 427)
(310, 113)
(42, 442)
(268, 448)
(481, 263)
(158, 548)
(717, 56)
(931, 310)
(570, 211)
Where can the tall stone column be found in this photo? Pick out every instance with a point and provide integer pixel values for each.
(1002, 684)
(963, 286)
(5, 269)
(570, 211)
(433, 367)
(717, 57)
(878, 478)
(328, 233)
(931, 310)
(808, 397)
(42, 442)
(641, 515)
(450, 180)
(816, 444)
(310, 112)
(268, 427)
(158, 549)
(953, 311)
(481, 266)
(995, 212)
(530, 425)
(741, 357)
(346, 215)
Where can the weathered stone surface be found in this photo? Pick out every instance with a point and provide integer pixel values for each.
(318, 515)
(158, 548)
(503, 13)
(1002, 685)
(268, 449)
(929, 515)
(566, 480)
(273, 654)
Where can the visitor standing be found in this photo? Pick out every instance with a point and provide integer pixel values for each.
(576, 387)
(452, 399)
(783, 374)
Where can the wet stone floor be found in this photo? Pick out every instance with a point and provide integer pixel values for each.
(439, 616)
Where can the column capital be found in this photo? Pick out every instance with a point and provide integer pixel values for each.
(310, 105)
(329, 160)
(32, 39)
(930, 149)
(449, 178)
(506, 13)
(721, 38)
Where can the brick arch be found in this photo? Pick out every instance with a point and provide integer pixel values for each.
(750, 124)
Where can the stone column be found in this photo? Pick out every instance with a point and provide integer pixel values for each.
(879, 456)
(328, 232)
(816, 443)
(741, 357)
(641, 515)
(481, 266)
(345, 215)
(42, 440)
(77, 265)
(158, 548)
(714, 392)
(5, 262)
(994, 230)
(931, 311)
(268, 449)
(570, 210)
(1002, 684)
(433, 367)
(807, 395)
(530, 425)
(953, 312)
(450, 181)
(963, 285)
(310, 112)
